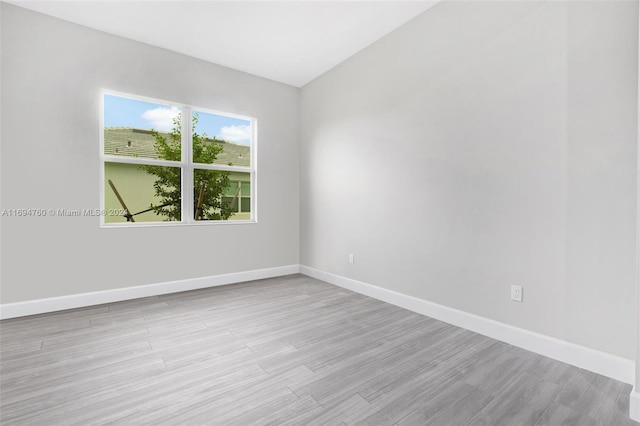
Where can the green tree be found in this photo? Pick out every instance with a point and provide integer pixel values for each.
(209, 185)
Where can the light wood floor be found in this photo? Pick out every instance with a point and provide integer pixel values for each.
(289, 350)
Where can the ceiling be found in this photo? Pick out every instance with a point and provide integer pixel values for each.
(292, 42)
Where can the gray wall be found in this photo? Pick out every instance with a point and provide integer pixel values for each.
(52, 73)
(483, 145)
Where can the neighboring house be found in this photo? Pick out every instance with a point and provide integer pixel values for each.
(136, 186)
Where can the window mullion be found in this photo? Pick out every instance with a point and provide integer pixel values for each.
(253, 192)
(187, 170)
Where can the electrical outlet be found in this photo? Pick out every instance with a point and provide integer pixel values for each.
(351, 258)
(516, 293)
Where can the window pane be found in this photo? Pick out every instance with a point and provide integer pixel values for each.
(150, 193)
(246, 189)
(219, 139)
(134, 128)
(216, 195)
(246, 204)
(233, 190)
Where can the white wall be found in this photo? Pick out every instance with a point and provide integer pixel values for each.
(52, 73)
(483, 145)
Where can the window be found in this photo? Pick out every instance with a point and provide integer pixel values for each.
(238, 196)
(165, 163)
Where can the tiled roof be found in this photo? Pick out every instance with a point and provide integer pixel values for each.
(130, 142)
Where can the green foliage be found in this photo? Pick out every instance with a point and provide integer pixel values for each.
(167, 184)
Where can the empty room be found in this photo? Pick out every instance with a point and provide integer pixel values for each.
(319, 213)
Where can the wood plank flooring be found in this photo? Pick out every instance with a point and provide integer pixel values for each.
(289, 350)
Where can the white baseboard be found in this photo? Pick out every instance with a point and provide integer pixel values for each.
(40, 306)
(580, 356)
(634, 404)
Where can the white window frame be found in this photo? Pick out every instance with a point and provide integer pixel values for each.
(186, 165)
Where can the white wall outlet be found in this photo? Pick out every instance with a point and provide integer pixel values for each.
(351, 258)
(516, 293)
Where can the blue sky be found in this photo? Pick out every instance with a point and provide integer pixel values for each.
(124, 112)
